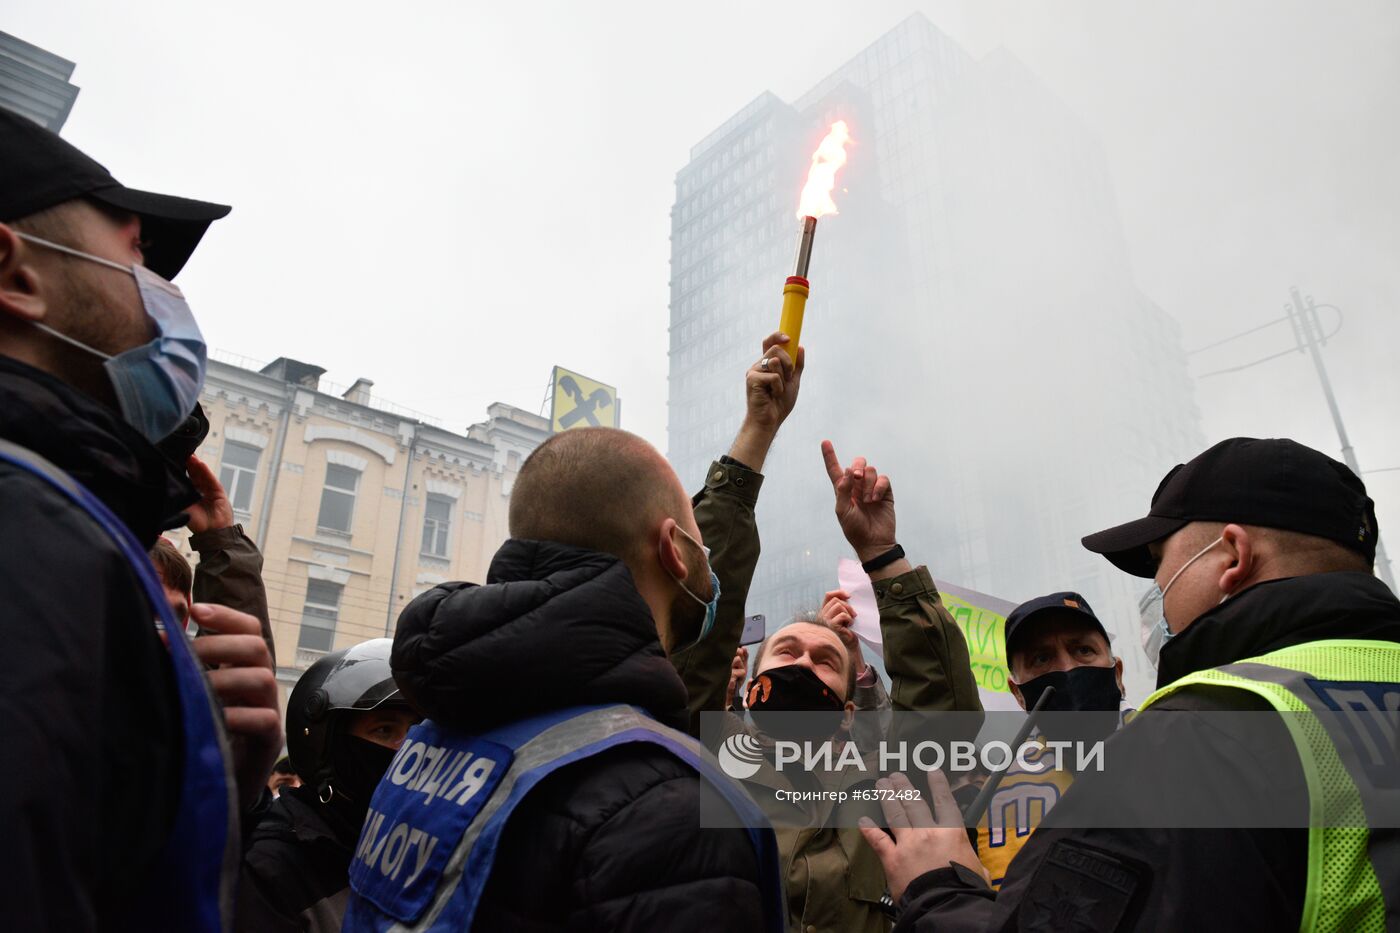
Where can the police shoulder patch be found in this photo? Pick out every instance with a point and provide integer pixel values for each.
(1078, 888)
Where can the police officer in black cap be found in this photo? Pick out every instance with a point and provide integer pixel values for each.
(121, 791)
(345, 720)
(1260, 806)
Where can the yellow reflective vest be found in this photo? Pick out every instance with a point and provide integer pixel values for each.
(1316, 685)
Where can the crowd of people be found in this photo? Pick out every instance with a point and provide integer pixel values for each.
(536, 752)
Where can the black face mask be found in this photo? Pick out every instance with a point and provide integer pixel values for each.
(186, 439)
(358, 765)
(1084, 706)
(793, 703)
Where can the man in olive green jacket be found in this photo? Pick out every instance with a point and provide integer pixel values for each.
(834, 881)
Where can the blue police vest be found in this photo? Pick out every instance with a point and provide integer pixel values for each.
(436, 819)
(191, 885)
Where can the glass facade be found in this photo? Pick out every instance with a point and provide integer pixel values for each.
(35, 82)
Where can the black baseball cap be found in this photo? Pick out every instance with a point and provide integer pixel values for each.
(1044, 605)
(39, 170)
(1272, 483)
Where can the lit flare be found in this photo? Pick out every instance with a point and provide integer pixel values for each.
(821, 180)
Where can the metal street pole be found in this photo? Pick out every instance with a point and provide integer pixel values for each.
(1303, 315)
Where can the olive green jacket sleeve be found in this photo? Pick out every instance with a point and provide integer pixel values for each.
(724, 510)
(925, 653)
(229, 573)
(872, 702)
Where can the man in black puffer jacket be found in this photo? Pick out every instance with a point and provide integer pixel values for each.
(605, 557)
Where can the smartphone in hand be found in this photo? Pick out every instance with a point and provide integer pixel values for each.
(755, 627)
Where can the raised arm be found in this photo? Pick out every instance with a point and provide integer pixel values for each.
(925, 653)
(229, 572)
(724, 510)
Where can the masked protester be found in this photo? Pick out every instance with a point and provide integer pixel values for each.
(345, 721)
(131, 820)
(1054, 641)
(809, 674)
(832, 880)
(803, 672)
(1249, 792)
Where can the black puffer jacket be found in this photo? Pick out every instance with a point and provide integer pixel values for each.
(89, 716)
(611, 842)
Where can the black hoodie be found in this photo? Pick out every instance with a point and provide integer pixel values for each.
(89, 718)
(1178, 879)
(611, 842)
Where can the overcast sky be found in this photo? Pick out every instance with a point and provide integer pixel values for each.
(450, 198)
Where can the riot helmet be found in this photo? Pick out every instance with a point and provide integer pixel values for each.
(343, 682)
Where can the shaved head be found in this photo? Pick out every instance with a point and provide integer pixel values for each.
(1292, 552)
(597, 488)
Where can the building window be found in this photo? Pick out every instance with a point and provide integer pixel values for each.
(319, 616)
(338, 498)
(237, 472)
(437, 525)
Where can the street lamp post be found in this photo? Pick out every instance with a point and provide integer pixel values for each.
(1302, 314)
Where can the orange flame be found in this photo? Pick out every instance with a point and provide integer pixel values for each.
(826, 161)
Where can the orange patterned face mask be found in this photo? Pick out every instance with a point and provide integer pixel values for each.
(793, 688)
(760, 688)
(792, 702)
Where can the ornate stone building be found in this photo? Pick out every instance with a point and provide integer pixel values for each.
(357, 505)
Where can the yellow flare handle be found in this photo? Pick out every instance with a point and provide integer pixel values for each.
(794, 303)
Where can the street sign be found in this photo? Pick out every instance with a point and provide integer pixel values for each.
(580, 402)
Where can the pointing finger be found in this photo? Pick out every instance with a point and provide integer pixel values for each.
(833, 466)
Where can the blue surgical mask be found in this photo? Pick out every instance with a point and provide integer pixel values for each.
(1155, 632)
(712, 606)
(1153, 612)
(157, 384)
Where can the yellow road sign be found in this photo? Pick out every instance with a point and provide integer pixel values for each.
(580, 402)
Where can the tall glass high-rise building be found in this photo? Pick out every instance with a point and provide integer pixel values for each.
(35, 83)
(974, 329)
